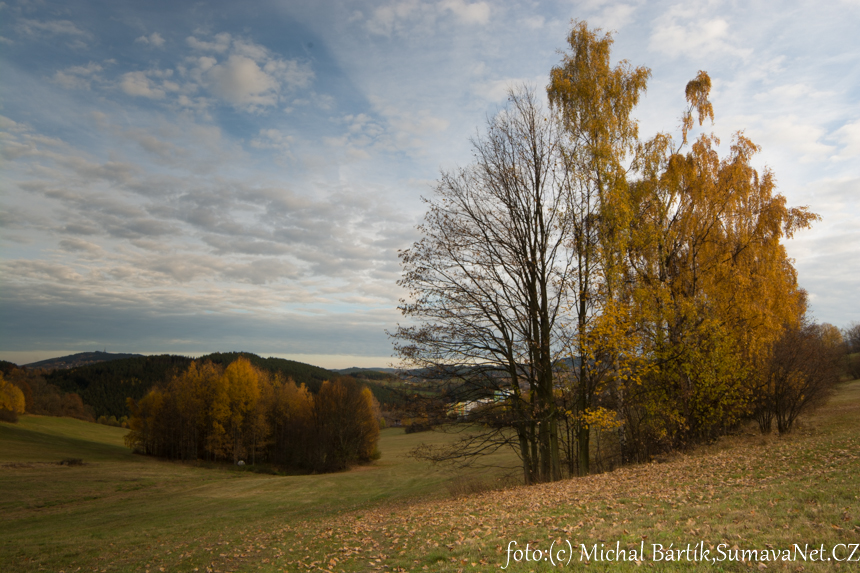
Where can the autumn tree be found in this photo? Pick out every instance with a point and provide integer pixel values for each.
(238, 394)
(242, 413)
(346, 428)
(11, 400)
(712, 284)
(291, 422)
(595, 101)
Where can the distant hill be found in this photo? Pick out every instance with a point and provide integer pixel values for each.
(356, 370)
(79, 359)
(7, 367)
(369, 373)
(106, 385)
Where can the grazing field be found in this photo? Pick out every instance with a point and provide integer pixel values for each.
(121, 512)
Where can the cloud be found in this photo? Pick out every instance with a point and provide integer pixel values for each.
(411, 15)
(685, 30)
(138, 84)
(474, 13)
(270, 138)
(51, 27)
(613, 17)
(497, 91)
(220, 45)
(153, 39)
(251, 77)
(241, 82)
(78, 77)
(848, 137)
(789, 133)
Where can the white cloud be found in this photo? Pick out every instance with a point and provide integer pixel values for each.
(79, 77)
(251, 77)
(274, 139)
(398, 17)
(802, 137)
(220, 45)
(474, 13)
(613, 17)
(496, 91)
(138, 84)
(849, 137)
(153, 39)
(51, 27)
(241, 82)
(387, 19)
(685, 30)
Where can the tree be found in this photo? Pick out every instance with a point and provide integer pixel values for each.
(346, 429)
(713, 286)
(802, 370)
(11, 398)
(851, 337)
(595, 102)
(487, 283)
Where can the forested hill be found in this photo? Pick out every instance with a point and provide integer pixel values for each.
(79, 359)
(106, 385)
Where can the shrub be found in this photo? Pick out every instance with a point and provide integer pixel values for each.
(8, 416)
(801, 373)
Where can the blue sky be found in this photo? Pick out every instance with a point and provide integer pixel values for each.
(195, 177)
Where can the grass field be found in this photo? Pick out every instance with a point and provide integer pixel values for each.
(121, 512)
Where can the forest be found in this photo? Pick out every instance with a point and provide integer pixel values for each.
(102, 388)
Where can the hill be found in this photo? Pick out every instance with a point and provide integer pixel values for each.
(79, 359)
(105, 386)
(367, 372)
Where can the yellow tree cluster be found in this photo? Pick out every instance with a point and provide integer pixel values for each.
(242, 413)
(711, 288)
(682, 286)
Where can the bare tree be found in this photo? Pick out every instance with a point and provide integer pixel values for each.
(803, 368)
(487, 283)
(851, 335)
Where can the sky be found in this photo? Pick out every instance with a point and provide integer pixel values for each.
(192, 177)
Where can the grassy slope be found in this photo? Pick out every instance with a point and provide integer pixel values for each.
(123, 512)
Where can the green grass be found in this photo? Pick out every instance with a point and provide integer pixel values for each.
(121, 512)
(118, 511)
(747, 492)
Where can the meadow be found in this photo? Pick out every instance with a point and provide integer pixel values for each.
(123, 512)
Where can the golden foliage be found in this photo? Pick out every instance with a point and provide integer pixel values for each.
(240, 413)
(11, 397)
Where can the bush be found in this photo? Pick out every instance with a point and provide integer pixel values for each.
(803, 369)
(8, 416)
(416, 427)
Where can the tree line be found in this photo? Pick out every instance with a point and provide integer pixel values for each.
(26, 390)
(105, 386)
(592, 280)
(240, 412)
